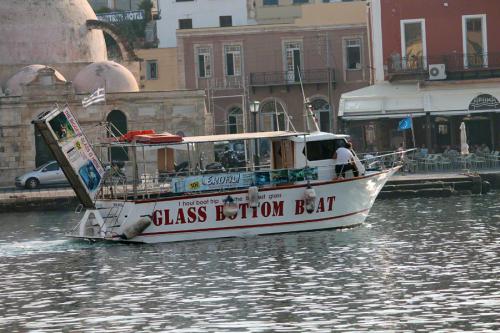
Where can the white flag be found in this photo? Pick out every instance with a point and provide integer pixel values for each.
(97, 96)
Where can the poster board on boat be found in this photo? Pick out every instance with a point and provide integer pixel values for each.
(212, 182)
(222, 181)
(73, 152)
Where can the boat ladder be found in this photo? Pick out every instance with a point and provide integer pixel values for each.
(111, 219)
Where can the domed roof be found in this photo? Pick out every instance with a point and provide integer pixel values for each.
(108, 74)
(48, 32)
(28, 74)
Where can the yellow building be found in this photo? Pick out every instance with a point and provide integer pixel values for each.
(158, 69)
(309, 13)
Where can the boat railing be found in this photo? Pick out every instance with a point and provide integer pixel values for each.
(152, 185)
(386, 159)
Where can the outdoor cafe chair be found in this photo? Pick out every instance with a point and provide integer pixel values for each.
(443, 161)
(478, 161)
(493, 159)
(464, 161)
(430, 162)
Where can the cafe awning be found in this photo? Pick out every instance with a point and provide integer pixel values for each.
(389, 100)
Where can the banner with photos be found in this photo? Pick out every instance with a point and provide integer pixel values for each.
(77, 150)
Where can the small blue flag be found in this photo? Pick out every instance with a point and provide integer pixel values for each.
(404, 124)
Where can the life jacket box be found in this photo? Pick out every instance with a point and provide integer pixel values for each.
(130, 135)
(158, 138)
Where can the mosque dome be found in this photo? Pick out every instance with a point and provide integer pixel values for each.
(48, 32)
(108, 74)
(14, 85)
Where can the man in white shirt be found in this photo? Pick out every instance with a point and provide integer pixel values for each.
(344, 161)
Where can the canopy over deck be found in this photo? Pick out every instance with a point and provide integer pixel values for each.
(207, 139)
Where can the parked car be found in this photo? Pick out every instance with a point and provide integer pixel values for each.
(48, 174)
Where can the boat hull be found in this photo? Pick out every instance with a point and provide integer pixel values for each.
(338, 204)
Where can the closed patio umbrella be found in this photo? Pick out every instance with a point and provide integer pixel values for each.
(464, 147)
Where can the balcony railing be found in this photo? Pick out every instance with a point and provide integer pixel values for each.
(458, 66)
(292, 77)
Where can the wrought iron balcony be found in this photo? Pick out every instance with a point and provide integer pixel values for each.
(312, 76)
(458, 66)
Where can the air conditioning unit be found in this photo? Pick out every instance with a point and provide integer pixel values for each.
(437, 72)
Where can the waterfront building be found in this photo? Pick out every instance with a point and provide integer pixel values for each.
(264, 63)
(436, 61)
(53, 52)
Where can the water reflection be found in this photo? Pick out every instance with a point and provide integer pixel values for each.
(416, 265)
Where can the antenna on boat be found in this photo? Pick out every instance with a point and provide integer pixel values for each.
(308, 114)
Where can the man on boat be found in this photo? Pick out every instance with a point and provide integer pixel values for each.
(344, 161)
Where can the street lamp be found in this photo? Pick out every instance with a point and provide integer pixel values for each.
(254, 109)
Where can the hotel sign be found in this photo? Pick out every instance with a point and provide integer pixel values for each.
(484, 102)
(129, 15)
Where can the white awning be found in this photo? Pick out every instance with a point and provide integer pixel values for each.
(398, 100)
(206, 139)
(240, 136)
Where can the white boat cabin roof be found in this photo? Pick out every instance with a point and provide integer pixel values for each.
(293, 136)
(240, 136)
(320, 136)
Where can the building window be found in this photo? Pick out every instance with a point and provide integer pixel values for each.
(185, 24)
(232, 55)
(235, 120)
(226, 21)
(413, 48)
(272, 117)
(204, 58)
(296, 2)
(321, 110)
(270, 2)
(475, 41)
(152, 70)
(353, 53)
(293, 60)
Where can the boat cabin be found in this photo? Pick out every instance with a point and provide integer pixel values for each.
(198, 163)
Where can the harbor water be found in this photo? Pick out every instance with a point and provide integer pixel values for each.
(416, 265)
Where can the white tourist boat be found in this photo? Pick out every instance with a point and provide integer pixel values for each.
(297, 191)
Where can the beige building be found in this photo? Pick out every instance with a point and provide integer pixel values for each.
(158, 69)
(308, 12)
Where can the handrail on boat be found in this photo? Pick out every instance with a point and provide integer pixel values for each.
(151, 185)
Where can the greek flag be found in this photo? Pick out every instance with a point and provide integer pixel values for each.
(97, 96)
(404, 124)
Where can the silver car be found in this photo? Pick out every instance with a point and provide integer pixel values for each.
(48, 174)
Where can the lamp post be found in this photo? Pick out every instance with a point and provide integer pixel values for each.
(254, 110)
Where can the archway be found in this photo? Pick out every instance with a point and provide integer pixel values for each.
(118, 123)
(272, 116)
(321, 109)
(126, 50)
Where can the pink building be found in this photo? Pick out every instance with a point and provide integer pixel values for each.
(438, 61)
(264, 63)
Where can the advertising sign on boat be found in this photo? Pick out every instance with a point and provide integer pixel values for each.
(213, 182)
(242, 179)
(77, 150)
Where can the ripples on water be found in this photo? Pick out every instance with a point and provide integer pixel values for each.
(416, 265)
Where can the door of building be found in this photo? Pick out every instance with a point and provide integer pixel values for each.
(478, 130)
(118, 123)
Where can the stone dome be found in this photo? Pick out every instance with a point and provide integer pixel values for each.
(14, 85)
(48, 32)
(108, 74)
